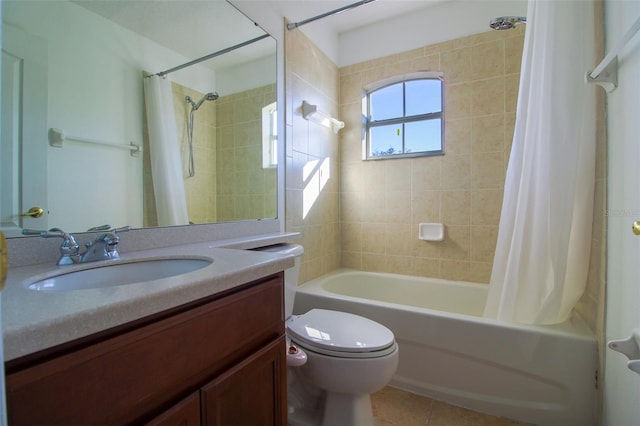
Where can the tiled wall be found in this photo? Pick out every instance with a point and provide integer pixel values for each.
(245, 190)
(382, 202)
(200, 189)
(230, 182)
(312, 173)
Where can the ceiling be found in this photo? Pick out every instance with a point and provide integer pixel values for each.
(196, 28)
(366, 14)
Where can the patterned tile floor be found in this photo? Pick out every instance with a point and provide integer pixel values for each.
(393, 407)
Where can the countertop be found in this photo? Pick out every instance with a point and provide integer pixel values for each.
(35, 320)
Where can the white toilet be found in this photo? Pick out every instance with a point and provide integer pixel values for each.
(335, 360)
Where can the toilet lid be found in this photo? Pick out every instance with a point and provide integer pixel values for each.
(339, 332)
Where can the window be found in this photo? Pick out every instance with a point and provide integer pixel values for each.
(270, 136)
(404, 117)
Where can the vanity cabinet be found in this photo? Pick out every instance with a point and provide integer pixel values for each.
(218, 361)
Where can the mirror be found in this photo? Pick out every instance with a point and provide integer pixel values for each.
(74, 130)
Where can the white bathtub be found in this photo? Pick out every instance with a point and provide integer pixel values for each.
(543, 375)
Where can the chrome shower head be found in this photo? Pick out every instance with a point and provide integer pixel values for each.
(506, 22)
(211, 96)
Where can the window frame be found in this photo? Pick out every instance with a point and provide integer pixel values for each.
(368, 123)
(270, 136)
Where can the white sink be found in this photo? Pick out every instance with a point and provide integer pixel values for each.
(117, 274)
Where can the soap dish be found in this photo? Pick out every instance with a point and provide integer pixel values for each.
(431, 231)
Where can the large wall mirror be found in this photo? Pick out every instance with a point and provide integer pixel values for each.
(78, 139)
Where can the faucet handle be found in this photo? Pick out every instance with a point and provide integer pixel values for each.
(104, 227)
(69, 247)
(121, 229)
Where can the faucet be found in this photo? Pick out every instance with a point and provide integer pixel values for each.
(69, 248)
(104, 247)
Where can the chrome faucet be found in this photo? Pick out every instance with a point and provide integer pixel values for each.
(104, 247)
(69, 249)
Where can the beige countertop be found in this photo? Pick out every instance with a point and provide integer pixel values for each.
(36, 320)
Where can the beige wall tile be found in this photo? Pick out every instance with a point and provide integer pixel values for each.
(456, 244)
(483, 243)
(513, 54)
(457, 100)
(488, 133)
(487, 96)
(455, 172)
(425, 173)
(457, 136)
(425, 207)
(487, 170)
(456, 65)
(373, 234)
(486, 206)
(455, 207)
(398, 207)
(487, 60)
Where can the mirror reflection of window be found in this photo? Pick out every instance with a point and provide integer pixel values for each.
(270, 136)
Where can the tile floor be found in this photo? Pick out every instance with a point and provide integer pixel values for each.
(393, 407)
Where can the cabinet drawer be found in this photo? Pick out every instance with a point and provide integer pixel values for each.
(131, 377)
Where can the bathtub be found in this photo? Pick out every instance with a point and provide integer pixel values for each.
(544, 375)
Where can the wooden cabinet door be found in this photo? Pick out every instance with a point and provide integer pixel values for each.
(251, 393)
(184, 413)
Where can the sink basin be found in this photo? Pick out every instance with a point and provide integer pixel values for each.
(119, 274)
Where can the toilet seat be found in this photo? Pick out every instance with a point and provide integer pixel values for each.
(340, 334)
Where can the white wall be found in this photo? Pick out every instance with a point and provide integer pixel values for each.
(95, 91)
(247, 76)
(621, 386)
(446, 21)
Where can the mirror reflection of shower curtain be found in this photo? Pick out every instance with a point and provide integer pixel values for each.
(542, 254)
(164, 150)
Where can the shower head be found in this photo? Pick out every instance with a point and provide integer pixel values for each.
(506, 22)
(211, 96)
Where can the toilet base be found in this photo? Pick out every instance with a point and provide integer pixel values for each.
(345, 409)
(339, 409)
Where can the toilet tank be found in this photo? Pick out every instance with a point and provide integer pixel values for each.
(291, 275)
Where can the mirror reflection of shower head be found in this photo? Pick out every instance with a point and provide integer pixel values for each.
(506, 22)
(211, 96)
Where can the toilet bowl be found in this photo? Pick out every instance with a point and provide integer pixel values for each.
(335, 360)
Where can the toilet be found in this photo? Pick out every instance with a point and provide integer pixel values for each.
(335, 360)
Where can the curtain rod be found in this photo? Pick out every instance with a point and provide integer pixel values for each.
(211, 55)
(324, 15)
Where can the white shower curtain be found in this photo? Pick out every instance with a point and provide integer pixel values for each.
(542, 254)
(164, 149)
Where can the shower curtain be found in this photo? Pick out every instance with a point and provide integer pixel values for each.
(164, 149)
(542, 254)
